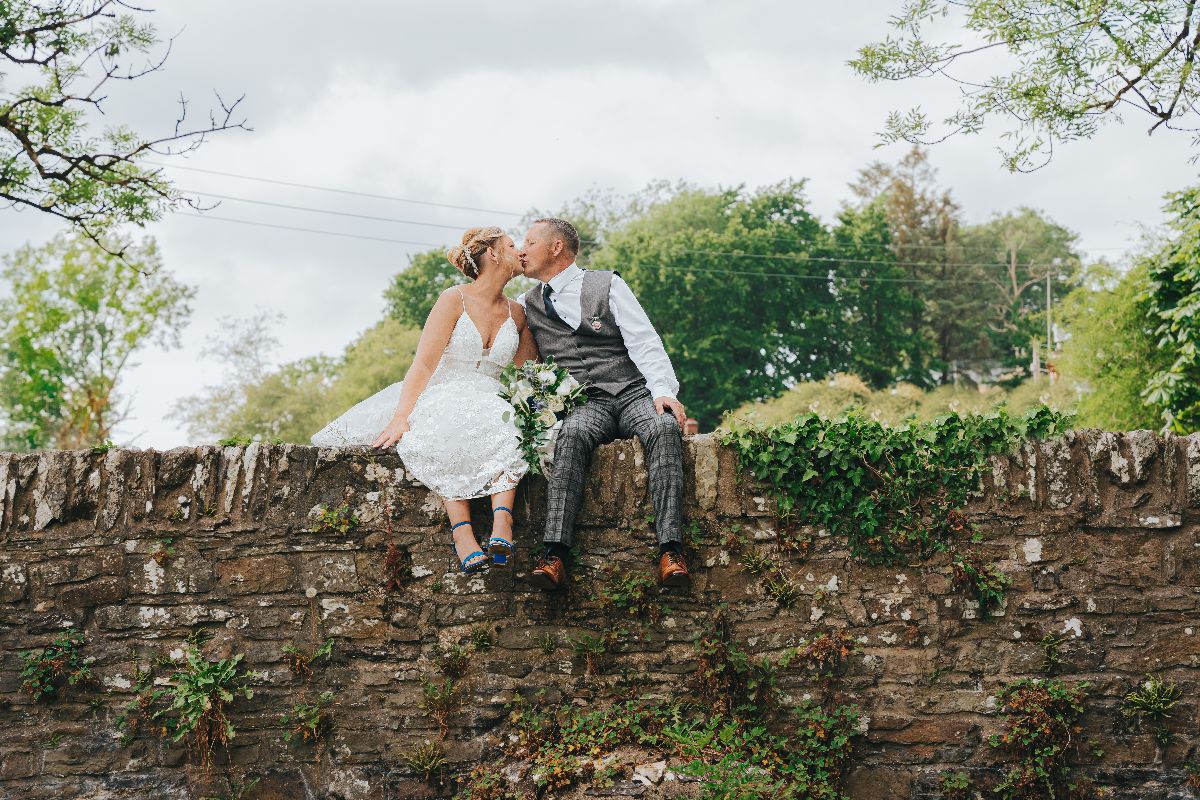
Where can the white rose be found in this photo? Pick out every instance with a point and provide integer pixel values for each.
(565, 388)
(547, 418)
(546, 376)
(556, 404)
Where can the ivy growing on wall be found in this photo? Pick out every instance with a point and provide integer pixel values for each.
(893, 494)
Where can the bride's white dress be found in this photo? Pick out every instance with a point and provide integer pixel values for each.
(458, 443)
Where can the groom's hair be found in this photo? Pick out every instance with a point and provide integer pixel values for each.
(563, 230)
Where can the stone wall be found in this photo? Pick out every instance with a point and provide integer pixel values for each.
(1098, 532)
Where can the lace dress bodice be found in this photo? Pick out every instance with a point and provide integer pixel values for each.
(465, 357)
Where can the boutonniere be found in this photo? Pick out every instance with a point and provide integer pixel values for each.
(596, 322)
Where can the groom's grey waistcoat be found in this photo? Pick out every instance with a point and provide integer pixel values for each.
(593, 353)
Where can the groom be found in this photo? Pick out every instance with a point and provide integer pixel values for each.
(589, 322)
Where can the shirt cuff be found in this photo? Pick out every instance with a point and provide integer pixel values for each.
(661, 390)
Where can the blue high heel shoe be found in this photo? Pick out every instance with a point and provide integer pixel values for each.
(470, 564)
(499, 547)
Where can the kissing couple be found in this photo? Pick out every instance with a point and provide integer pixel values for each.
(456, 434)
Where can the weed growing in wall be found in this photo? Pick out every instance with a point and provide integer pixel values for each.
(1152, 702)
(440, 699)
(192, 708)
(633, 595)
(590, 648)
(46, 671)
(427, 760)
(1051, 653)
(562, 743)
(340, 518)
(731, 727)
(802, 759)
(307, 721)
(484, 783)
(954, 786)
(300, 664)
(729, 680)
(1040, 725)
(397, 567)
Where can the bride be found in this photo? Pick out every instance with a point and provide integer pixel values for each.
(445, 418)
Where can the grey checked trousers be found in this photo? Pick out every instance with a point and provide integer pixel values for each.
(602, 419)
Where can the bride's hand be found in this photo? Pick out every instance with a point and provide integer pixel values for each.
(391, 434)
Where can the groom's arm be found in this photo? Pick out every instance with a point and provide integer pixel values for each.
(645, 346)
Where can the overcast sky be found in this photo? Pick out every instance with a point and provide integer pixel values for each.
(508, 106)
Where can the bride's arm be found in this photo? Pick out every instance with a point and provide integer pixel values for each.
(434, 338)
(527, 350)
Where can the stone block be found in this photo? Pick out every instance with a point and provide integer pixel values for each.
(18, 763)
(95, 592)
(328, 572)
(14, 581)
(264, 574)
(180, 573)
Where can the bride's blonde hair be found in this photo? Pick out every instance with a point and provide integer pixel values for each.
(466, 257)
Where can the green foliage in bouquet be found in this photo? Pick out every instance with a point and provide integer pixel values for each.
(541, 393)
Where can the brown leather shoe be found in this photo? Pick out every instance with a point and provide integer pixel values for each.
(672, 570)
(549, 574)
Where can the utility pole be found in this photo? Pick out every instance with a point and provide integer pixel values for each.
(1049, 323)
(1049, 345)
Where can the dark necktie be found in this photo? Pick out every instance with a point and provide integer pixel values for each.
(550, 312)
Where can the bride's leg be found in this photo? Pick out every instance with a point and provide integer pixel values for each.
(502, 522)
(465, 542)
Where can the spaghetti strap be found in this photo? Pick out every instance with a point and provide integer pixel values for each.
(462, 297)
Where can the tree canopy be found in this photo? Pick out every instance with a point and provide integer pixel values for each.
(1111, 349)
(727, 278)
(75, 316)
(1171, 300)
(69, 54)
(293, 401)
(1065, 67)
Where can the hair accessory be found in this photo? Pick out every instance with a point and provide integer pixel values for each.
(471, 261)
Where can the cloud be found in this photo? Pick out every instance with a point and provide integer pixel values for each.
(283, 55)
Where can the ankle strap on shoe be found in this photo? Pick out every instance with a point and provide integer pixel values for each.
(502, 508)
(464, 522)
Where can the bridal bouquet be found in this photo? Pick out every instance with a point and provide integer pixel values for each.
(542, 395)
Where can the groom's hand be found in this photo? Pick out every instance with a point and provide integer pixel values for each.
(662, 404)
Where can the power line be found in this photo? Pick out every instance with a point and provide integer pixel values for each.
(890, 246)
(336, 190)
(786, 275)
(836, 260)
(357, 193)
(727, 254)
(826, 278)
(324, 210)
(468, 208)
(197, 215)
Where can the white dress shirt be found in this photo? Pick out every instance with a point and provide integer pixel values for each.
(641, 340)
